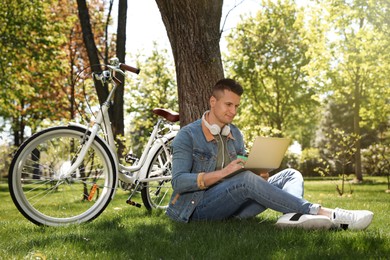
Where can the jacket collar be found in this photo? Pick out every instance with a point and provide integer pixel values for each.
(209, 136)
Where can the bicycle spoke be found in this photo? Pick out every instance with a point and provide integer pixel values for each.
(43, 188)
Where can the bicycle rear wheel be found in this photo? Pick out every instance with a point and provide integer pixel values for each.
(42, 192)
(156, 194)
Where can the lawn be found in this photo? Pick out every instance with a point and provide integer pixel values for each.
(126, 232)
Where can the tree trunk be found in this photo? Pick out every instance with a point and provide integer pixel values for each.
(116, 112)
(118, 115)
(71, 82)
(90, 45)
(193, 29)
(18, 126)
(356, 126)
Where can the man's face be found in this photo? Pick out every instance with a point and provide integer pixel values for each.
(224, 107)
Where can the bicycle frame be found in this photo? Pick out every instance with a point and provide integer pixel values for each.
(57, 165)
(139, 168)
(103, 122)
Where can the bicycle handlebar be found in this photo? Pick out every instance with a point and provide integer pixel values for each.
(115, 66)
(129, 68)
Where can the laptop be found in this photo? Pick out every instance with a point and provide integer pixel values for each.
(267, 153)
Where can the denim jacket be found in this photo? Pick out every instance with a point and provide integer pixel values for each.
(195, 151)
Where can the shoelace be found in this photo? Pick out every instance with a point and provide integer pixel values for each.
(343, 216)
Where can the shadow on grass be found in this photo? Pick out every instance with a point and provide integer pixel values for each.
(4, 188)
(119, 238)
(132, 233)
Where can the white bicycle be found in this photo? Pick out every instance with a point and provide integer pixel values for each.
(69, 174)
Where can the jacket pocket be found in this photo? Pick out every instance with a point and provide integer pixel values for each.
(202, 161)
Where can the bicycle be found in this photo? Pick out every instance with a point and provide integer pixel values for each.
(69, 174)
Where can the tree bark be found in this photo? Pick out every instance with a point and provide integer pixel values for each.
(193, 29)
(117, 110)
(90, 45)
(356, 127)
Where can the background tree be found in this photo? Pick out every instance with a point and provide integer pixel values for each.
(339, 116)
(359, 59)
(268, 55)
(97, 56)
(193, 29)
(377, 117)
(118, 109)
(343, 149)
(31, 65)
(155, 87)
(91, 48)
(376, 161)
(76, 73)
(348, 48)
(43, 44)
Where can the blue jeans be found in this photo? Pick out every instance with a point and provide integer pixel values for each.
(246, 195)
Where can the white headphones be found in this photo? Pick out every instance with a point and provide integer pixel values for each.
(215, 129)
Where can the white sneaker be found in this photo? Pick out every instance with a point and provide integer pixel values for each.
(304, 221)
(351, 219)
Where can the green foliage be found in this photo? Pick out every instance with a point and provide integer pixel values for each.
(339, 116)
(250, 132)
(340, 150)
(324, 168)
(375, 113)
(5, 158)
(43, 62)
(155, 87)
(31, 64)
(359, 62)
(310, 162)
(335, 54)
(268, 54)
(284, 57)
(290, 160)
(342, 146)
(334, 115)
(376, 160)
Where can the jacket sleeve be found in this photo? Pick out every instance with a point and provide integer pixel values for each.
(183, 180)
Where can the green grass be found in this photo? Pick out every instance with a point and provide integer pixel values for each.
(125, 232)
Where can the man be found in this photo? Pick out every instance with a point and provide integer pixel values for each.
(205, 188)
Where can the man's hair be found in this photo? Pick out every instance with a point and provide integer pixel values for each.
(227, 84)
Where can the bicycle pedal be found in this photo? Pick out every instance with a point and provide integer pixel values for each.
(132, 203)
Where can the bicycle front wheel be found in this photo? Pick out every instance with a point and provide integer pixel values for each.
(156, 194)
(43, 191)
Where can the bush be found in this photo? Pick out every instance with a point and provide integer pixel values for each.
(310, 162)
(291, 160)
(376, 159)
(5, 159)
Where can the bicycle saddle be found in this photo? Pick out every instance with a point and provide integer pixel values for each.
(167, 114)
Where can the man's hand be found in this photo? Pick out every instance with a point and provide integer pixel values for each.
(233, 166)
(211, 178)
(264, 175)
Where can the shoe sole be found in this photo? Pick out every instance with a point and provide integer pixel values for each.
(309, 224)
